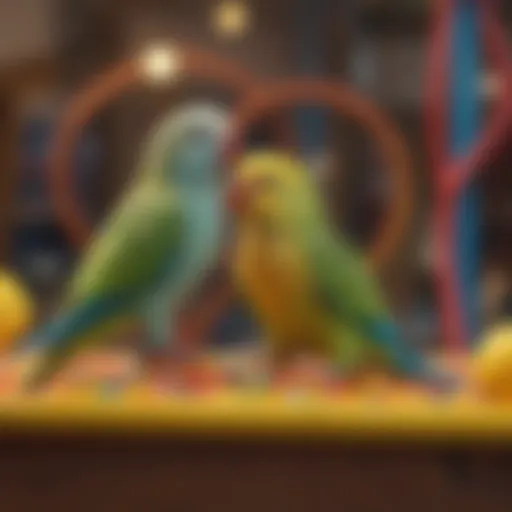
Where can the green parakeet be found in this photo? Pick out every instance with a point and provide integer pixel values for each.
(153, 248)
(307, 285)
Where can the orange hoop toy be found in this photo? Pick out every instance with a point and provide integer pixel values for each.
(347, 102)
(104, 89)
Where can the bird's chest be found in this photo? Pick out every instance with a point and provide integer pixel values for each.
(273, 274)
(201, 233)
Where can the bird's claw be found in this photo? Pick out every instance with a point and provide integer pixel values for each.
(442, 382)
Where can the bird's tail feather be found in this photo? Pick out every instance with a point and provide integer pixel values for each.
(406, 359)
(72, 324)
(56, 340)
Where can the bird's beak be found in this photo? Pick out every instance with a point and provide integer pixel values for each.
(238, 197)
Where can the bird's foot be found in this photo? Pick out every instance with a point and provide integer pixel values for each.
(161, 370)
(442, 382)
(181, 372)
(303, 373)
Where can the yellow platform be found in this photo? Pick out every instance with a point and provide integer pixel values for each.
(230, 414)
(369, 414)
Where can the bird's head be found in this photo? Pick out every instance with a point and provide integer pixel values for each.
(272, 187)
(185, 147)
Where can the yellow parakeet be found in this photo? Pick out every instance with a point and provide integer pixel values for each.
(308, 287)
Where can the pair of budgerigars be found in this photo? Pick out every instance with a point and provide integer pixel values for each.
(306, 284)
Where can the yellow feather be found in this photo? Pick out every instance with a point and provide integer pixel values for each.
(275, 281)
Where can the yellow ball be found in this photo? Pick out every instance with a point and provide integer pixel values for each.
(491, 367)
(16, 310)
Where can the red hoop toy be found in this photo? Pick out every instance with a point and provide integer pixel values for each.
(104, 89)
(451, 176)
(345, 101)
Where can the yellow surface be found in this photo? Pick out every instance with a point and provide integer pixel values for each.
(227, 414)
(16, 312)
(491, 367)
(377, 410)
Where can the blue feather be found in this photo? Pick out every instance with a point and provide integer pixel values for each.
(75, 322)
(405, 359)
(386, 334)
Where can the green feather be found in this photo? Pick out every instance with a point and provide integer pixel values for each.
(133, 248)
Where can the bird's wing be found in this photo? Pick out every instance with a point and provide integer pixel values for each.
(349, 292)
(340, 279)
(133, 250)
(136, 246)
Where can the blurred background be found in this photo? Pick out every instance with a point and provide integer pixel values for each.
(51, 48)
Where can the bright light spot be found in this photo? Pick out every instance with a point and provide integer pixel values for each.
(231, 18)
(160, 64)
